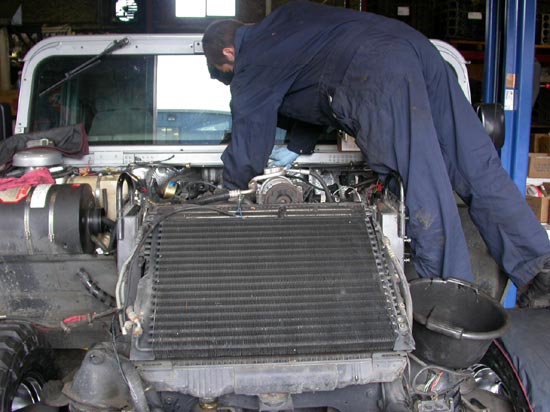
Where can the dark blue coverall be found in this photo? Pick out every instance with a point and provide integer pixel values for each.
(386, 84)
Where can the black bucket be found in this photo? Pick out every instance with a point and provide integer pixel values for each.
(454, 322)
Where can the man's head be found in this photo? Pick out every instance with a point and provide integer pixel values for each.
(218, 43)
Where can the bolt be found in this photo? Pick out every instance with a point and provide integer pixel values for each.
(208, 404)
(96, 358)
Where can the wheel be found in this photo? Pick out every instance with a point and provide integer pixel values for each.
(508, 384)
(26, 364)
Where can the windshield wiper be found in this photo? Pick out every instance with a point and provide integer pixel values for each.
(88, 64)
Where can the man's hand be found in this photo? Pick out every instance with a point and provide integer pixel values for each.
(282, 157)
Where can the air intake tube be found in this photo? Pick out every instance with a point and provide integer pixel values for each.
(50, 219)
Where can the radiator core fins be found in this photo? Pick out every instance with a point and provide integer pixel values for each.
(268, 285)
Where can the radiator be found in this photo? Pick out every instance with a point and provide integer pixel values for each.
(267, 284)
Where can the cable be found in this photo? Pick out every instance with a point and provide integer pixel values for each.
(303, 179)
(65, 325)
(324, 184)
(115, 350)
(436, 381)
(94, 289)
(39, 325)
(429, 385)
(74, 321)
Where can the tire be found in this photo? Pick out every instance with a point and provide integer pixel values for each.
(512, 388)
(26, 364)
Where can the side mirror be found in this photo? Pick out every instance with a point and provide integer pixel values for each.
(492, 118)
(6, 127)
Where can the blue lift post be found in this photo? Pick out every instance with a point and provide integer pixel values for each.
(516, 81)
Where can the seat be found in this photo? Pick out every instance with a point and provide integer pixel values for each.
(118, 118)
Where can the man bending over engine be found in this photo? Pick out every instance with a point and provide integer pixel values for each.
(386, 84)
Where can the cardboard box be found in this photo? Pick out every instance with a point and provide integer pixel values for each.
(346, 143)
(539, 206)
(541, 143)
(544, 187)
(539, 165)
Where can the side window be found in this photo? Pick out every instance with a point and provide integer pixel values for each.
(191, 107)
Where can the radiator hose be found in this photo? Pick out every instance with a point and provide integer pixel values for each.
(135, 385)
(212, 199)
(323, 184)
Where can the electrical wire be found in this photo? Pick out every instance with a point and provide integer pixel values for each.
(436, 381)
(343, 189)
(66, 324)
(429, 387)
(115, 350)
(39, 325)
(89, 317)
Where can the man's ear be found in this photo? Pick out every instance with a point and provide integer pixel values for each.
(229, 53)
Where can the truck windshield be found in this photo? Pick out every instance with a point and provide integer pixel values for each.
(134, 100)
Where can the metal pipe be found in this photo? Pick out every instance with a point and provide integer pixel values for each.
(277, 172)
(119, 286)
(401, 273)
(520, 19)
(402, 216)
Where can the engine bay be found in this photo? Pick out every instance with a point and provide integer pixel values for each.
(286, 296)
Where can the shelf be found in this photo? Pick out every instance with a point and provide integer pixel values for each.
(474, 51)
(537, 181)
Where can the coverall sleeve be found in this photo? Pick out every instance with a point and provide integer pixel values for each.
(302, 137)
(256, 95)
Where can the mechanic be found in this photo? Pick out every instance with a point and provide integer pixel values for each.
(384, 83)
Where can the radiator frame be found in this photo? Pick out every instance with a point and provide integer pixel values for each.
(212, 381)
(211, 378)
